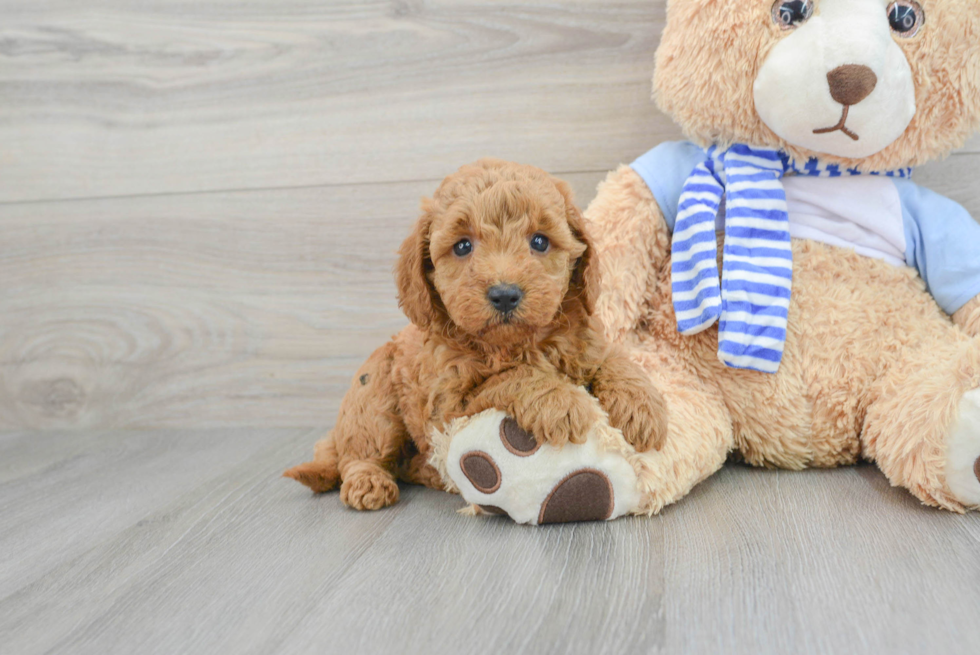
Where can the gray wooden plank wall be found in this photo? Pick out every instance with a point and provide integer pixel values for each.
(200, 202)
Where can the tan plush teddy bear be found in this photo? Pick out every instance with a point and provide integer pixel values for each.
(783, 282)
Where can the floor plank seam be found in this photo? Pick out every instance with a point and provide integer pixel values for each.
(267, 189)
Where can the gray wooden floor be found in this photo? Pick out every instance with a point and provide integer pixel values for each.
(199, 208)
(180, 541)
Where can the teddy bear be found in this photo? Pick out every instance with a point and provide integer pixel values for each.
(794, 296)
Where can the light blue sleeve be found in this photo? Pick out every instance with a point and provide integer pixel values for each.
(665, 169)
(942, 243)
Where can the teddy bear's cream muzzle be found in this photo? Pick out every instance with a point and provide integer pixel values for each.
(838, 84)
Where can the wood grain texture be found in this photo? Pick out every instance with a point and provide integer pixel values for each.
(153, 299)
(200, 310)
(121, 98)
(825, 561)
(118, 98)
(62, 492)
(219, 554)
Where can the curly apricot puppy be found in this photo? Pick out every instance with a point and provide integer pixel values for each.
(499, 281)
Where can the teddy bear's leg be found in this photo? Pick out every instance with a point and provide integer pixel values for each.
(968, 317)
(963, 452)
(501, 468)
(699, 431)
(923, 425)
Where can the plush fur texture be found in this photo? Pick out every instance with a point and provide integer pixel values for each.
(968, 317)
(872, 368)
(712, 50)
(461, 355)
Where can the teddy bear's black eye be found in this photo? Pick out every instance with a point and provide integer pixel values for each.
(905, 17)
(789, 14)
(540, 243)
(463, 247)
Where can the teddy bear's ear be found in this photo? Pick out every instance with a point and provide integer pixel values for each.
(945, 62)
(705, 68)
(585, 281)
(970, 71)
(416, 295)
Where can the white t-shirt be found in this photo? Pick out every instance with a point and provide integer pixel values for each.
(886, 218)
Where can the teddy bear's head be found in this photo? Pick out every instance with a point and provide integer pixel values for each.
(872, 84)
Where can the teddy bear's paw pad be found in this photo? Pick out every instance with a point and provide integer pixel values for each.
(582, 496)
(502, 469)
(963, 452)
(516, 439)
(493, 509)
(482, 472)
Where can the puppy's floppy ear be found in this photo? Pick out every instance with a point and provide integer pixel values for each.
(416, 295)
(585, 280)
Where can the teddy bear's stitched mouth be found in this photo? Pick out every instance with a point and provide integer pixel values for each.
(841, 125)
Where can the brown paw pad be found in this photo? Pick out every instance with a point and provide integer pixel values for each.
(517, 440)
(585, 495)
(493, 509)
(480, 469)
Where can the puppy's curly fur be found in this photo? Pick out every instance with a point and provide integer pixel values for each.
(462, 354)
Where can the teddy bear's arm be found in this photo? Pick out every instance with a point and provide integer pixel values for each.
(968, 317)
(632, 241)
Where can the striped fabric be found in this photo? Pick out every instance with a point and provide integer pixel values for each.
(752, 301)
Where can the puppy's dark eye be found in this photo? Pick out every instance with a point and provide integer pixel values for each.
(463, 247)
(905, 18)
(790, 14)
(540, 243)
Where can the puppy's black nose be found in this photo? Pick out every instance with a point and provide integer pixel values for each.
(505, 297)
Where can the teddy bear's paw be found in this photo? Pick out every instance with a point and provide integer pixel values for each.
(504, 470)
(963, 452)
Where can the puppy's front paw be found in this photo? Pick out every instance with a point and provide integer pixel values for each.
(369, 488)
(563, 416)
(639, 411)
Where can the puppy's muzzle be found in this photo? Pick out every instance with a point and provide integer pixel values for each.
(505, 298)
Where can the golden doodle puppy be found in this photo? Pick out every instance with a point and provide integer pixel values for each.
(499, 280)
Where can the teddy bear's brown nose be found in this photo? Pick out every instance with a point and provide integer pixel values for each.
(851, 83)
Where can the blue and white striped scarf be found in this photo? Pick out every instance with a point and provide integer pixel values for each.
(752, 301)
